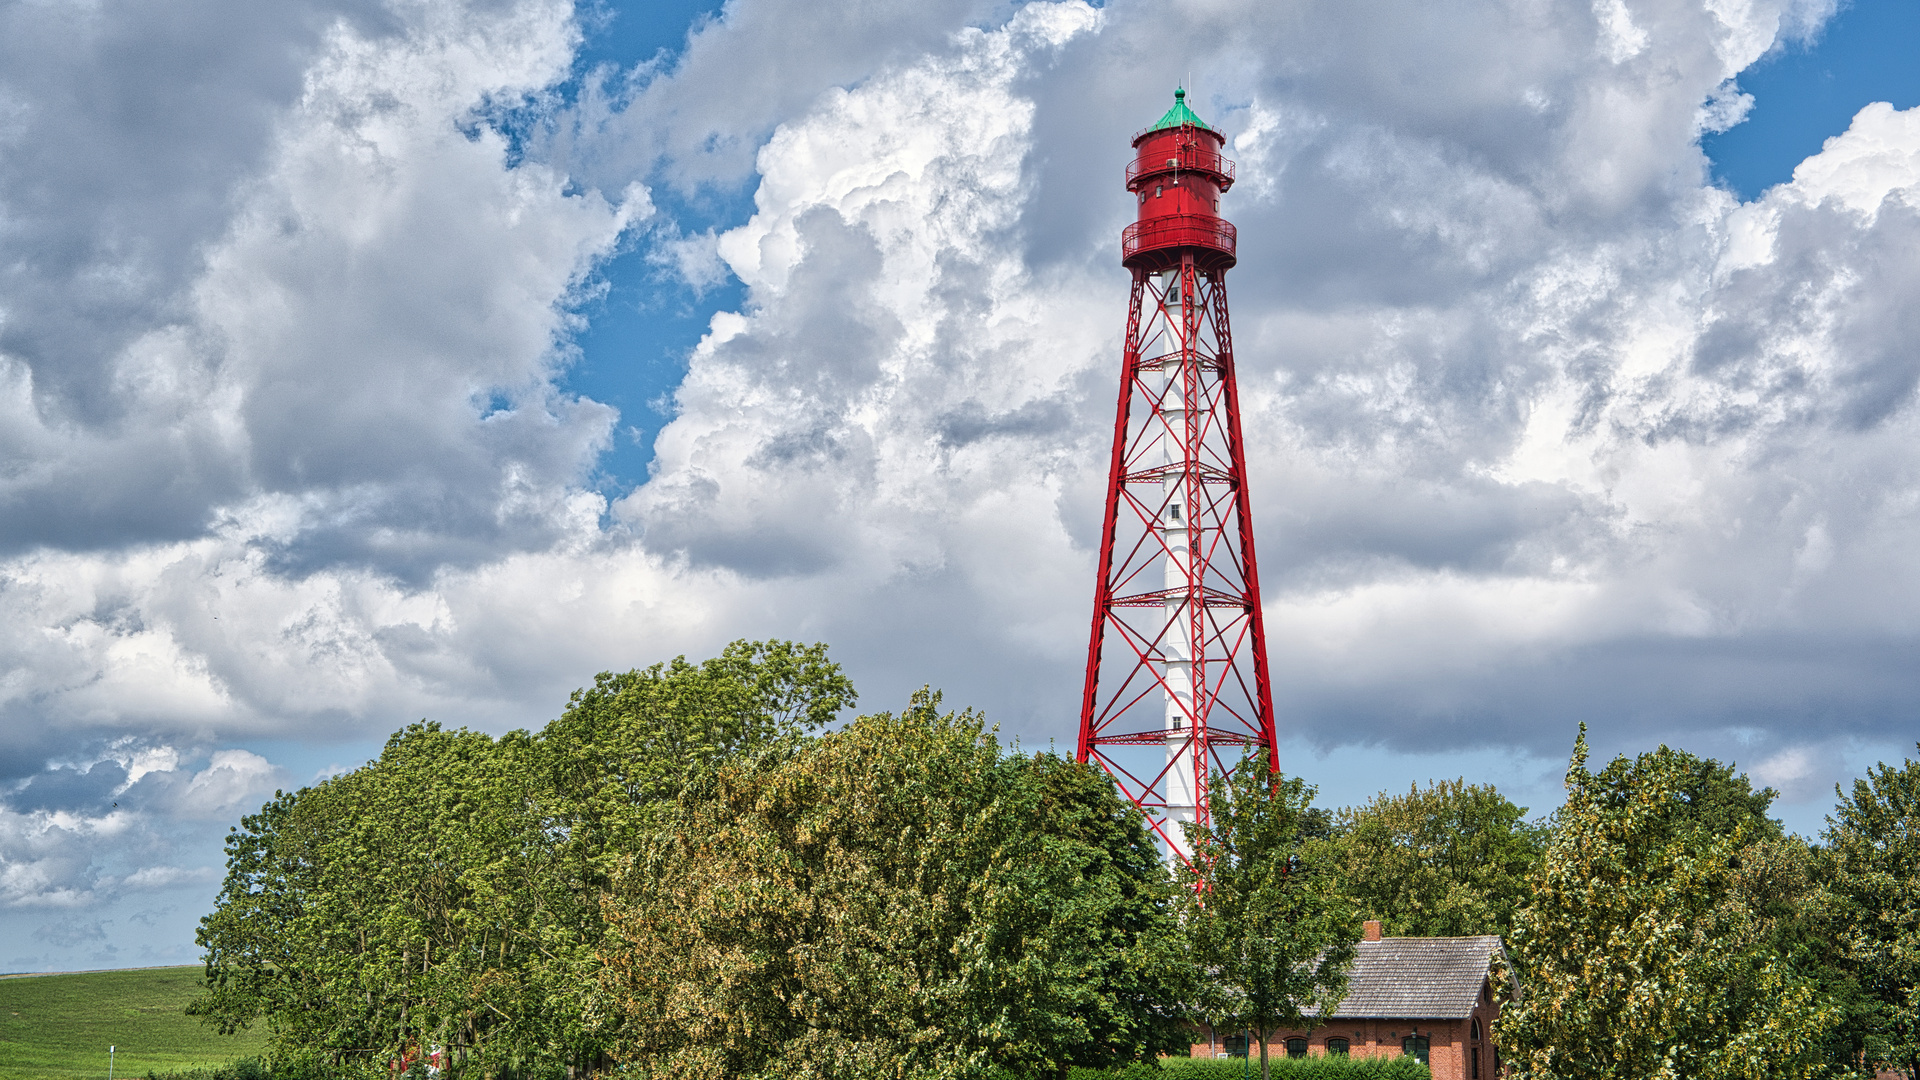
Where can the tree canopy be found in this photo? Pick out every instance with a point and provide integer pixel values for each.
(1643, 950)
(1448, 860)
(449, 892)
(898, 898)
(1873, 871)
(676, 876)
(406, 903)
(688, 874)
(1264, 921)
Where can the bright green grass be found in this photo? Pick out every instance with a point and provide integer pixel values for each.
(59, 1026)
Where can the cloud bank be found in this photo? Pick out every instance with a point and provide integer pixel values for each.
(1544, 427)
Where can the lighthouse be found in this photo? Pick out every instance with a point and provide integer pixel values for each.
(1176, 684)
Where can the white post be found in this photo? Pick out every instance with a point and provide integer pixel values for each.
(110, 1051)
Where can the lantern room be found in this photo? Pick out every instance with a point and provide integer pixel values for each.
(1177, 176)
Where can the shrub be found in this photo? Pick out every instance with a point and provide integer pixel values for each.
(1324, 1067)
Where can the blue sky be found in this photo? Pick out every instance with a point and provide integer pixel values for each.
(634, 349)
(364, 361)
(1805, 94)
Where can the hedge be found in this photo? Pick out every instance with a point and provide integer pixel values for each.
(1323, 1067)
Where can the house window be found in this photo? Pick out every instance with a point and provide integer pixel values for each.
(1475, 1052)
(1337, 1047)
(1476, 1029)
(1296, 1047)
(1415, 1046)
(1235, 1045)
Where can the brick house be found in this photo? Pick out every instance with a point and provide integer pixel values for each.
(1435, 998)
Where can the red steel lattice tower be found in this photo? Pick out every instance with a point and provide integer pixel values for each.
(1176, 686)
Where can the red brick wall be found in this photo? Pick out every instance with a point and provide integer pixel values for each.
(1450, 1043)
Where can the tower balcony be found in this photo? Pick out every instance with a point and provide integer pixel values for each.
(1158, 242)
(1190, 157)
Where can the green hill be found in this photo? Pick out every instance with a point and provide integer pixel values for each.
(59, 1026)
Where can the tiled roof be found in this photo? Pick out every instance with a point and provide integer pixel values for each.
(1417, 978)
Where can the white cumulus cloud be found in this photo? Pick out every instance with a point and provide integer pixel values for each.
(1542, 426)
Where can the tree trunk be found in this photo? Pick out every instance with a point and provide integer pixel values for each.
(1266, 1072)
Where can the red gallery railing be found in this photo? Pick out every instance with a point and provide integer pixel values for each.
(1178, 230)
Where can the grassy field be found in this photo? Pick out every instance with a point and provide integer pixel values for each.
(59, 1026)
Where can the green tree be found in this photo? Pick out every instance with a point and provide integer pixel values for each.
(1264, 920)
(391, 909)
(625, 748)
(1705, 794)
(1873, 859)
(1786, 884)
(1448, 860)
(450, 891)
(894, 899)
(1643, 952)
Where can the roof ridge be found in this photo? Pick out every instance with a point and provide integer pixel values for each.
(1426, 978)
(1423, 937)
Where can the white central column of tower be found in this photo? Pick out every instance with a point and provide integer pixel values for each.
(1176, 525)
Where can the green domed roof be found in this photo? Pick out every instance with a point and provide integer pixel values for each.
(1179, 115)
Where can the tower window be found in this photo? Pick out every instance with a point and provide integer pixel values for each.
(1158, 190)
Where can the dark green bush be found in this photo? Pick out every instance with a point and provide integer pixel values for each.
(1313, 1068)
(297, 1067)
(244, 1069)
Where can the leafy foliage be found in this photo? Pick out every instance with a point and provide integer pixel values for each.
(675, 878)
(1701, 793)
(1318, 1067)
(1448, 860)
(627, 745)
(896, 899)
(448, 893)
(400, 905)
(1644, 952)
(1873, 870)
(1263, 920)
